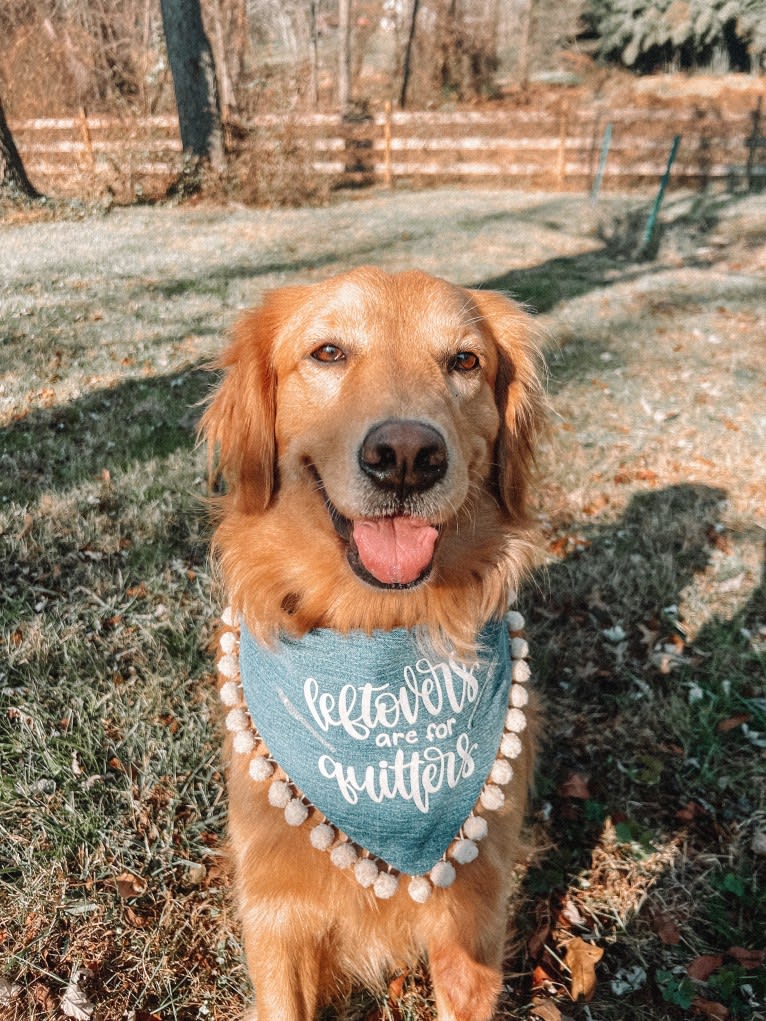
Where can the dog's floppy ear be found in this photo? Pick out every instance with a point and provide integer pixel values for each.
(239, 421)
(518, 393)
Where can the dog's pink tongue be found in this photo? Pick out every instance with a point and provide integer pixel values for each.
(395, 550)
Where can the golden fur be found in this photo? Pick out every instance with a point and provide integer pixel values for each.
(309, 373)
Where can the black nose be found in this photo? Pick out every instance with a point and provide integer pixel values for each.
(402, 455)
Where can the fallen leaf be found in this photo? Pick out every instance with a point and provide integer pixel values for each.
(537, 940)
(702, 967)
(747, 958)
(129, 885)
(665, 927)
(545, 1010)
(758, 844)
(74, 1002)
(733, 722)
(570, 914)
(581, 959)
(8, 991)
(709, 1008)
(575, 786)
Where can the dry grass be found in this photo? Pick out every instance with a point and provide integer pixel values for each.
(647, 614)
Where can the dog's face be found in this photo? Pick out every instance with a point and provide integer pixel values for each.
(392, 414)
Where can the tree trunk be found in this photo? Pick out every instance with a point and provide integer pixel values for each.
(344, 56)
(407, 67)
(13, 177)
(193, 69)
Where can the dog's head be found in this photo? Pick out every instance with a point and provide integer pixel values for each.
(396, 411)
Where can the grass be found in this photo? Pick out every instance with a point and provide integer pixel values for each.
(647, 614)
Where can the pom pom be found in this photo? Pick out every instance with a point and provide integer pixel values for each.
(227, 643)
(442, 874)
(228, 666)
(515, 721)
(296, 812)
(519, 696)
(520, 672)
(229, 693)
(464, 851)
(514, 620)
(343, 856)
(260, 768)
(365, 872)
(511, 746)
(492, 797)
(419, 889)
(322, 836)
(385, 885)
(519, 648)
(237, 719)
(279, 794)
(228, 617)
(501, 772)
(244, 742)
(475, 827)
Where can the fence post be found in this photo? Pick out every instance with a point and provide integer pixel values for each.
(650, 223)
(388, 170)
(601, 162)
(87, 141)
(563, 128)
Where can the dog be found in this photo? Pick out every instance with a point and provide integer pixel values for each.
(375, 433)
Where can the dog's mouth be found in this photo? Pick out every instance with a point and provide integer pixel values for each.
(391, 551)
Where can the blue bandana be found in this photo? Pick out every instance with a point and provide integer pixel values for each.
(392, 745)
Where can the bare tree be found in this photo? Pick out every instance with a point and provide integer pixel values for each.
(344, 55)
(407, 64)
(194, 81)
(13, 177)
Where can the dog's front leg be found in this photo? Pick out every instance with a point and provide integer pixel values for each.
(465, 988)
(283, 960)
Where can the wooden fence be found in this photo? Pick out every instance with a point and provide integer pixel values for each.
(554, 149)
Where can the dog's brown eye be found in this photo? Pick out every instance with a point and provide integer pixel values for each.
(464, 361)
(328, 353)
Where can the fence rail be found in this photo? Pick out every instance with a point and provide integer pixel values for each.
(550, 148)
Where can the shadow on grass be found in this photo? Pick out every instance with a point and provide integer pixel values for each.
(59, 447)
(622, 739)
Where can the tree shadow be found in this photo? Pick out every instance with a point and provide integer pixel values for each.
(612, 748)
(107, 429)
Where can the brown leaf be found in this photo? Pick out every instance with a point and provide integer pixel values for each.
(545, 1010)
(665, 927)
(709, 1008)
(747, 958)
(575, 786)
(702, 967)
(537, 940)
(129, 885)
(733, 722)
(581, 958)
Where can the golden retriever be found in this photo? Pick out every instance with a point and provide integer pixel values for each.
(375, 433)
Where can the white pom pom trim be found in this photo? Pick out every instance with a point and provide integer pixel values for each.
(419, 889)
(244, 742)
(514, 620)
(385, 885)
(227, 643)
(464, 851)
(260, 768)
(501, 773)
(367, 871)
(492, 797)
(343, 856)
(322, 837)
(442, 874)
(229, 694)
(475, 827)
(296, 812)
